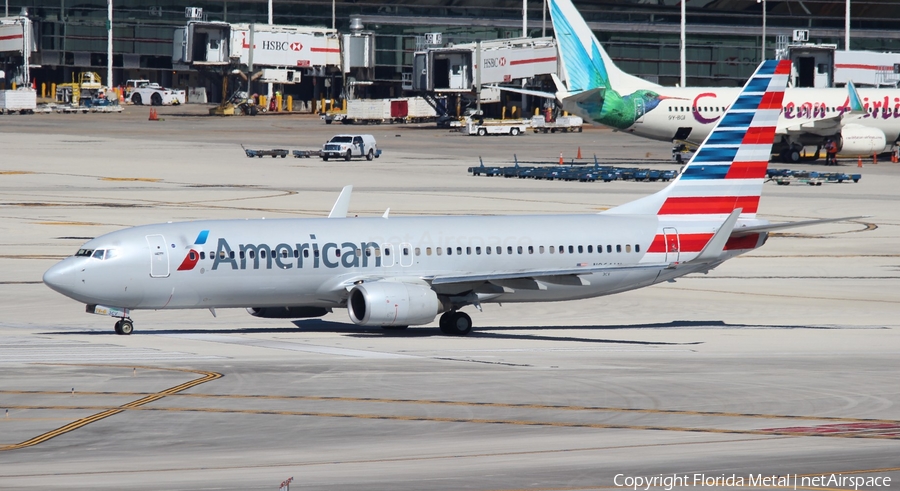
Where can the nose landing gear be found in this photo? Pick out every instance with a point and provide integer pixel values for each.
(124, 326)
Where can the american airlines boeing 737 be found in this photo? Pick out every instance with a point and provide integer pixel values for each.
(403, 271)
(863, 123)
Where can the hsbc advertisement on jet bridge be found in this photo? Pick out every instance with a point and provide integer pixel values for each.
(287, 48)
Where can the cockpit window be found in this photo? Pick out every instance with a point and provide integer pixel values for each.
(84, 252)
(98, 254)
(111, 253)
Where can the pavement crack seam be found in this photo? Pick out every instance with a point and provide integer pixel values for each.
(206, 377)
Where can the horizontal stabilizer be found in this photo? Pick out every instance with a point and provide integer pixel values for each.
(742, 231)
(585, 95)
(716, 246)
(538, 93)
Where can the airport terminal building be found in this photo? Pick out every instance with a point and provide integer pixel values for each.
(723, 36)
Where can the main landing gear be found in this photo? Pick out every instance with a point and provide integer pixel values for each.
(124, 326)
(456, 323)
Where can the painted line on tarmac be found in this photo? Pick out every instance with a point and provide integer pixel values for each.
(139, 406)
(80, 423)
(507, 405)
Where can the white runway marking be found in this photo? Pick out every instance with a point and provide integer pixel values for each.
(282, 345)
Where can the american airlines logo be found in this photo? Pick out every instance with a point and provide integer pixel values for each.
(285, 256)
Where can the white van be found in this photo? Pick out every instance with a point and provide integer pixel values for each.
(349, 146)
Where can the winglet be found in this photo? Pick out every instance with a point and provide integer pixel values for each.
(856, 105)
(386, 213)
(339, 210)
(716, 245)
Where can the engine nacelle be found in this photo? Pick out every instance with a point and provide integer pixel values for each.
(859, 140)
(388, 303)
(287, 312)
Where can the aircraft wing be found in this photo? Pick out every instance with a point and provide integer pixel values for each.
(555, 276)
(831, 125)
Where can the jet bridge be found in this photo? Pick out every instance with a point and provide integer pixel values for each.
(455, 69)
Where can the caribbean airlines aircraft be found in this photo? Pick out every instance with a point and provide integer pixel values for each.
(599, 91)
(398, 272)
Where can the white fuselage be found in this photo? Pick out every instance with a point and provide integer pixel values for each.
(313, 262)
(700, 109)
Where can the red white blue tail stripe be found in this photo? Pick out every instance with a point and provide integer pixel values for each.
(728, 169)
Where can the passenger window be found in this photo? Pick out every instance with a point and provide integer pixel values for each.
(449, 251)
(262, 253)
(305, 252)
(387, 251)
(337, 253)
(438, 251)
(637, 248)
(590, 248)
(478, 251)
(628, 248)
(192, 255)
(499, 250)
(571, 250)
(518, 249)
(241, 255)
(541, 249)
(459, 251)
(252, 254)
(552, 249)
(406, 251)
(530, 249)
(619, 248)
(468, 250)
(487, 250)
(230, 255)
(98, 254)
(580, 249)
(316, 253)
(368, 252)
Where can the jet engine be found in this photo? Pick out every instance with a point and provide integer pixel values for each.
(861, 140)
(388, 303)
(287, 312)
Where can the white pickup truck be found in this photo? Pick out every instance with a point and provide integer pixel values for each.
(349, 146)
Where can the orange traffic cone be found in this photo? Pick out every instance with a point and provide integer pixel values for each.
(894, 158)
(560, 158)
(579, 153)
(859, 162)
(874, 158)
(153, 115)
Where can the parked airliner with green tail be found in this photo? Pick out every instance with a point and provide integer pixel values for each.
(863, 122)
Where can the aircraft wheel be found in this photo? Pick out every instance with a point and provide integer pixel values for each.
(456, 323)
(126, 327)
(118, 327)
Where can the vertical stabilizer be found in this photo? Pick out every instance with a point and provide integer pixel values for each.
(586, 64)
(728, 169)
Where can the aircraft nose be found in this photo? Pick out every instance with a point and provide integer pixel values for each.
(61, 277)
